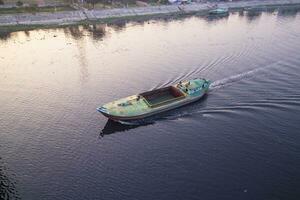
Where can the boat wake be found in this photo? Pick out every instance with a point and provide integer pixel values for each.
(207, 111)
(239, 77)
(285, 103)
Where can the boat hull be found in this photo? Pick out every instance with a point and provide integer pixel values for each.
(155, 112)
(219, 11)
(146, 104)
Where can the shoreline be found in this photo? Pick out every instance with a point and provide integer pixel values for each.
(84, 16)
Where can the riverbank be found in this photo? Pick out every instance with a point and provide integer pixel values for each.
(104, 15)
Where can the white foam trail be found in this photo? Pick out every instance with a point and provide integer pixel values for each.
(249, 74)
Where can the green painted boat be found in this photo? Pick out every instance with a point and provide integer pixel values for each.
(153, 102)
(219, 11)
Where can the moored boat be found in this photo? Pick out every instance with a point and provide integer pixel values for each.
(153, 102)
(219, 11)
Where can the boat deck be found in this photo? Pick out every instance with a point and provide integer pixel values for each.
(162, 96)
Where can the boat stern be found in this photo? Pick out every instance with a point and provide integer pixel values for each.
(196, 87)
(207, 83)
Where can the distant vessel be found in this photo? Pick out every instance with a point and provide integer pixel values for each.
(153, 102)
(219, 11)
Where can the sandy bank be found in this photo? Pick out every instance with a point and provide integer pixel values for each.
(73, 17)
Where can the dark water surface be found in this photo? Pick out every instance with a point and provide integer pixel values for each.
(242, 141)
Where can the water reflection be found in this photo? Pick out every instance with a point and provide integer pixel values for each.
(288, 12)
(75, 32)
(51, 121)
(7, 187)
(5, 35)
(213, 18)
(78, 33)
(115, 127)
(98, 31)
(118, 25)
(83, 62)
(253, 15)
(262, 9)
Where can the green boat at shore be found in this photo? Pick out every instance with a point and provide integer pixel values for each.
(219, 11)
(153, 102)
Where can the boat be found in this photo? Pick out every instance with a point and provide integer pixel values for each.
(219, 11)
(153, 102)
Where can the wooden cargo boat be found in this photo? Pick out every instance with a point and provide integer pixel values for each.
(153, 102)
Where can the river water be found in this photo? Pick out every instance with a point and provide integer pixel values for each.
(242, 141)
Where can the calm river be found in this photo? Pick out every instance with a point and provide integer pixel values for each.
(242, 141)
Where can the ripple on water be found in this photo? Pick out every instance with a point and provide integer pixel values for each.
(213, 148)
